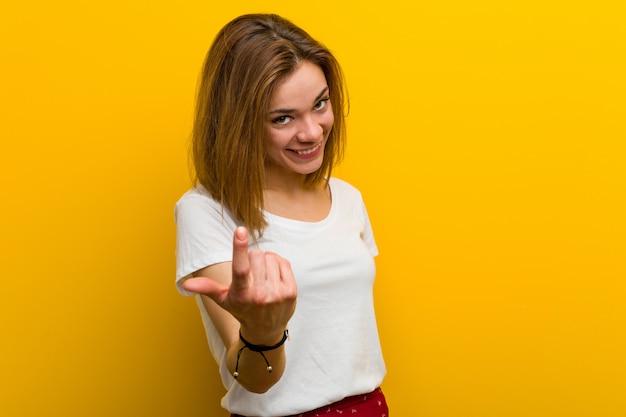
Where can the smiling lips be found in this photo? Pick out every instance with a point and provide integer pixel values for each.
(308, 153)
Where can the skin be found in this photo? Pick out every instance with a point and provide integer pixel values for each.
(256, 293)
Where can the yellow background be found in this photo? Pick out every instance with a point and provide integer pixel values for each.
(486, 136)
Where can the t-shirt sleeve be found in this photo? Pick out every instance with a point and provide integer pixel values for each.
(368, 233)
(204, 235)
(352, 197)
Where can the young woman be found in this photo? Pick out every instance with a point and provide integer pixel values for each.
(278, 252)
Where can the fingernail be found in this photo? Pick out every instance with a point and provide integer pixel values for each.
(240, 232)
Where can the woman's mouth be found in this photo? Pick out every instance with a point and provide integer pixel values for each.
(308, 152)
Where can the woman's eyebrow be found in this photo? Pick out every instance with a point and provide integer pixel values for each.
(319, 96)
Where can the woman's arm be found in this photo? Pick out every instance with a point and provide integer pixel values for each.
(255, 294)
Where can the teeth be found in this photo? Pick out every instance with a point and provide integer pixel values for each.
(308, 151)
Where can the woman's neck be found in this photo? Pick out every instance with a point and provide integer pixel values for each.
(290, 198)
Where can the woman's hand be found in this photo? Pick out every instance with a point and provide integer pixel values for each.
(261, 296)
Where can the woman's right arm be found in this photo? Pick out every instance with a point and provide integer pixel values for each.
(255, 294)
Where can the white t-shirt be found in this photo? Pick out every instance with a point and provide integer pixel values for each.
(334, 351)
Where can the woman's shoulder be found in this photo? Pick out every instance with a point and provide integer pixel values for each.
(197, 199)
(196, 208)
(338, 185)
(196, 194)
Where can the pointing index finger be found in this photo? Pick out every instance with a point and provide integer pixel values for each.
(241, 264)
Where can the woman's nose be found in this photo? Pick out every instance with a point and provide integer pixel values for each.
(309, 129)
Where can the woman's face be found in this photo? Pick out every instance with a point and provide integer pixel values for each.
(299, 120)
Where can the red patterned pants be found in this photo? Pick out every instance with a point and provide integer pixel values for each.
(364, 405)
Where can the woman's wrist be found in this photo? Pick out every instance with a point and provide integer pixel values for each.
(261, 338)
(264, 348)
(260, 349)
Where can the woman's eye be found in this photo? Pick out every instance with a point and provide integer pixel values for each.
(321, 104)
(281, 120)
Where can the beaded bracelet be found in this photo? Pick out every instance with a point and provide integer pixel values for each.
(260, 349)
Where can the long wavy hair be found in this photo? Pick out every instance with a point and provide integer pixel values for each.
(249, 57)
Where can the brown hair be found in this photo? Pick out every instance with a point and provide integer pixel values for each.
(249, 57)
